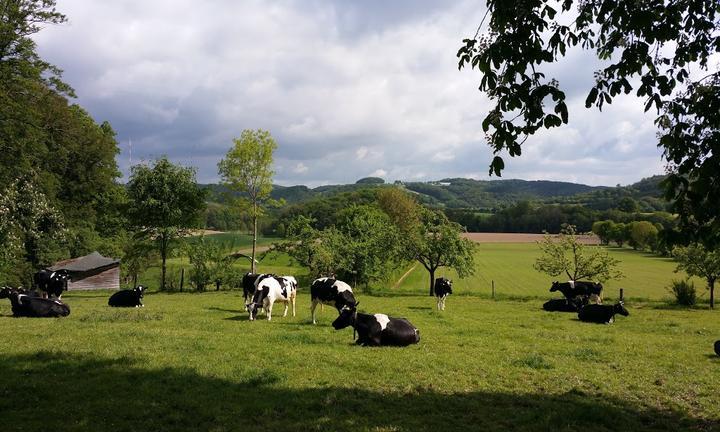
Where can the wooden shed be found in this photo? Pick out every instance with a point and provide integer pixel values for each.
(90, 272)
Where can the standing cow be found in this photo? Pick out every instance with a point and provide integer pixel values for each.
(51, 282)
(270, 290)
(442, 288)
(572, 289)
(327, 290)
(377, 329)
(248, 284)
(35, 307)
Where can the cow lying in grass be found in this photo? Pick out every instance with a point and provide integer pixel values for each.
(378, 329)
(442, 289)
(271, 290)
(327, 290)
(24, 305)
(602, 314)
(565, 305)
(128, 298)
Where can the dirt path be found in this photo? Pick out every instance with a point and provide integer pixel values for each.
(402, 278)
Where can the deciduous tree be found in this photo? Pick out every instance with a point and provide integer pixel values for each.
(696, 260)
(565, 254)
(165, 203)
(247, 169)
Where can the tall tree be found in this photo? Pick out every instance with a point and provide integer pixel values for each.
(566, 255)
(165, 202)
(696, 260)
(654, 42)
(247, 169)
(436, 242)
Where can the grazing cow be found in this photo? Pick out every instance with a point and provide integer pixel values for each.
(51, 282)
(35, 307)
(378, 329)
(572, 289)
(717, 347)
(270, 290)
(602, 314)
(327, 290)
(248, 284)
(443, 288)
(128, 298)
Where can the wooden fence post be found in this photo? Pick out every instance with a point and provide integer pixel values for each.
(621, 294)
(493, 289)
(182, 278)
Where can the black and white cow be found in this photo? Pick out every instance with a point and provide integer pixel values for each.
(565, 305)
(572, 289)
(328, 290)
(442, 288)
(51, 282)
(717, 347)
(250, 281)
(128, 298)
(602, 314)
(35, 307)
(377, 329)
(270, 290)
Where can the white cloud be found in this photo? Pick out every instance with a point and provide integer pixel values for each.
(343, 88)
(378, 173)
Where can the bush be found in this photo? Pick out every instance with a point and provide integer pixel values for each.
(684, 292)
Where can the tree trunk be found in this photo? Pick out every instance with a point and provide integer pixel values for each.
(432, 281)
(255, 219)
(163, 254)
(712, 294)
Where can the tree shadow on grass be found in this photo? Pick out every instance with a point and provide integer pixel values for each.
(60, 391)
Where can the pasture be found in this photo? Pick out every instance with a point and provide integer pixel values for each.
(510, 265)
(194, 362)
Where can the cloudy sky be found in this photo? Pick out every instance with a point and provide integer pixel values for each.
(348, 90)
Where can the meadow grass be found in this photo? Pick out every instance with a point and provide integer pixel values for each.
(191, 361)
(510, 265)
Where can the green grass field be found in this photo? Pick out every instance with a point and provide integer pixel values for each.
(194, 362)
(510, 265)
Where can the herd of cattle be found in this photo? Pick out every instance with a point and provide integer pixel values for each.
(585, 299)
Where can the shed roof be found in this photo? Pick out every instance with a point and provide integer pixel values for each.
(85, 263)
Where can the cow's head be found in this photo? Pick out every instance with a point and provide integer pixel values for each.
(5, 292)
(140, 290)
(346, 318)
(619, 308)
(252, 309)
(555, 286)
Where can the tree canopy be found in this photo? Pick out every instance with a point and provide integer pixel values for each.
(660, 44)
(696, 260)
(165, 202)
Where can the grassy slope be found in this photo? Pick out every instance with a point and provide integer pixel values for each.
(194, 362)
(510, 265)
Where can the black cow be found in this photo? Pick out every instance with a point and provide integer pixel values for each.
(566, 305)
(717, 347)
(442, 288)
(35, 307)
(128, 298)
(51, 282)
(378, 329)
(572, 289)
(329, 290)
(248, 284)
(602, 314)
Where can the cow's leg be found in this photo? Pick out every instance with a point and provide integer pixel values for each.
(313, 305)
(268, 311)
(437, 301)
(287, 304)
(293, 303)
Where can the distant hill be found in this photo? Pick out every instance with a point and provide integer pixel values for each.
(484, 194)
